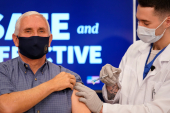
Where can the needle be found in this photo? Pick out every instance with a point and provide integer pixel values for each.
(93, 81)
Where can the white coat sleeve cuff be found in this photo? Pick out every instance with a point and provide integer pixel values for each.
(105, 97)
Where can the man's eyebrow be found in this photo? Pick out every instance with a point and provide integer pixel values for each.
(41, 28)
(145, 20)
(28, 29)
(142, 19)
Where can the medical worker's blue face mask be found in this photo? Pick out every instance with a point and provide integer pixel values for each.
(148, 35)
(33, 47)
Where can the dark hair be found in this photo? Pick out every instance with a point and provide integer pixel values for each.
(160, 6)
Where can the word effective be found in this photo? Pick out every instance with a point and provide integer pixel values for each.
(94, 53)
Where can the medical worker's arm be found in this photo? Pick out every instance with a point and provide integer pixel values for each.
(111, 94)
(112, 91)
(77, 106)
(111, 80)
(159, 104)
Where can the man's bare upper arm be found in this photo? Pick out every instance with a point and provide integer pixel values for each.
(77, 106)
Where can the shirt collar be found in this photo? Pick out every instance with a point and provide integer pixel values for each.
(24, 66)
(44, 66)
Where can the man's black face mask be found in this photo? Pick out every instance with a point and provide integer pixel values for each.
(33, 47)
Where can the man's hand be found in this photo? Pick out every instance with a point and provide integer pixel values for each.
(22, 101)
(112, 78)
(89, 97)
(62, 81)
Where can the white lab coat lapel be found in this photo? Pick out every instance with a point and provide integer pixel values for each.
(164, 57)
(144, 51)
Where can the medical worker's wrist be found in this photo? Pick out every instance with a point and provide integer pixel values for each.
(112, 91)
(101, 111)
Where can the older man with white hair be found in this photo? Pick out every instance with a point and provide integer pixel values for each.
(30, 83)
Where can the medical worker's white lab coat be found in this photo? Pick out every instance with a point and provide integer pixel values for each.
(151, 95)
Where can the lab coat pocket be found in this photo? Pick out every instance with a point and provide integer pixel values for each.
(156, 87)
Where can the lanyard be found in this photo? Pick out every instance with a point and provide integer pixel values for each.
(148, 66)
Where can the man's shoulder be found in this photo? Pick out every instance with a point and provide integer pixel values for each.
(9, 63)
(53, 66)
(58, 68)
(138, 45)
(9, 66)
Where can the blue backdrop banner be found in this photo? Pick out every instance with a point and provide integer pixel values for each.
(87, 34)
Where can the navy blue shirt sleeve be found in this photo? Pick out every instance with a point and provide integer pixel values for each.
(15, 75)
(78, 78)
(6, 85)
(58, 68)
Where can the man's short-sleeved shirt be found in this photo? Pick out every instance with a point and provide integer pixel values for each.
(15, 75)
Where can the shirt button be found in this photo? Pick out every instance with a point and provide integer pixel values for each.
(25, 72)
(42, 72)
(38, 111)
(35, 79)
(26, 65)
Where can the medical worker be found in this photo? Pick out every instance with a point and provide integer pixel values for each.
(141, 84)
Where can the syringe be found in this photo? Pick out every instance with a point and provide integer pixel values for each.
(93, 81)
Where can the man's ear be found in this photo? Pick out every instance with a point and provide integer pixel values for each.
(168, 22)
(50, 40)
(15, 40)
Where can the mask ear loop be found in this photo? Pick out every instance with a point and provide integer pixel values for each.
(164, 31)
(160, 25)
